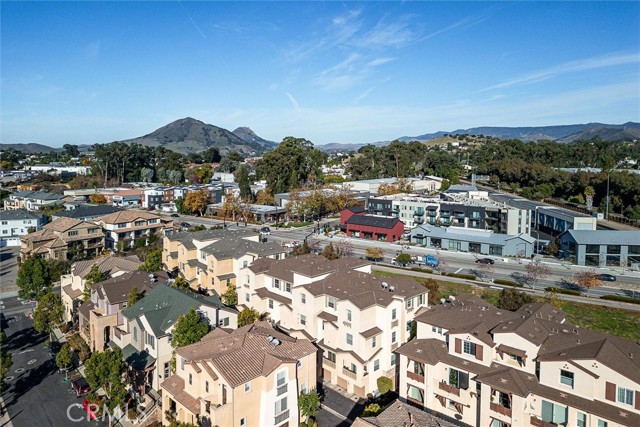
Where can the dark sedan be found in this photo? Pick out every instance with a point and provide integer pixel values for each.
(607, 277)
(485, 261)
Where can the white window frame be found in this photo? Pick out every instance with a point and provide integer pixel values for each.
(349, 339)
(625, 396)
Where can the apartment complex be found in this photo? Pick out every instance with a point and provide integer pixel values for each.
(65, 238)
(125, 227)
(482, 366)
(73, 284)
(355, 318)
(17, 223)
(251, 376)
(32, 200)
(401, 414)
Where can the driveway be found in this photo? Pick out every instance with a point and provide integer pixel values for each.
(338, 410)
(9, 269)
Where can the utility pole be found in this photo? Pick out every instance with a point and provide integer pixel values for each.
(606, 215)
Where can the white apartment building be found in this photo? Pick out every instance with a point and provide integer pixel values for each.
(16, 223)
(483, 366)
(356, 318)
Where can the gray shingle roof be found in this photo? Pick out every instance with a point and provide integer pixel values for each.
(87, 211)
(475, 236)
(19, 214)
(234, 248)
(605, 237)
(373, 221)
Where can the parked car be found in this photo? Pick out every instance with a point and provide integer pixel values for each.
(265, 230)
(174, 215)
(185, 225)
(431, 261)
(607, 277)
(80, 386)
(485, 261)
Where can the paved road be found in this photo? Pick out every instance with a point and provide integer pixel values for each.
(8, 269)
(36, 395)
(338, 410)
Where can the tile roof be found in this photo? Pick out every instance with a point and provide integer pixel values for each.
(87, 211)
(37, 195)
(266, 293)
(117, 289)
(234, 248)
(64, 224)
(327, 316)
(126, 216)
(399, 414)
(106, 265)
(174, 385)
(373, 221)
(371, 332)
(432, 351)
(246, 353)
(73, 293)
(605, 237)
(205, 235)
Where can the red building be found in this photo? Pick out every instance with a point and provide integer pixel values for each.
(355, 223)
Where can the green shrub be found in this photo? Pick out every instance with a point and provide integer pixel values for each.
(372, 410)
(507, 283)
(303, 424)
(384, 384)
(422, 270)
(563, 291)
(461, 276)
(621, 298)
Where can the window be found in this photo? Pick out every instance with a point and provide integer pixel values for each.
(270, 303)
(420, 299)
(602, 423)
(245, 263)
(150, 340)
(135, 333)
(469, 348)
(182, 363)
(243, 422)
(303, 388)
(582, 419)
(348, 315)
(276, 283)
(414, 393)
(349, 339)
(280, 378)
(374, 341)
(190, 379)
(353, 368)
(303, 319)
(331, 356)
(625, 396)
(393, 359)
(139, 223)
(281, 405)
(376, 364)
(246, 297)
(418, 368)
(122, 225)
(393, 314)
(458, 379)
(393, 336)
(287, 287)
(553, 413)
(331, 302)
(167, 370)
(73, 233)
(409, 325)
(93, 230)
(566, 378)
(303, 298)
(206, 386)
(247, 387)
(409, 303)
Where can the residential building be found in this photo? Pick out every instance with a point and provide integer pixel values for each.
(73, 284)
(359, 196)
(126, 198)
(64, 238)
(125, 227)
(355, 223)
(143, 331)
(32, 200)
(356, 318)
(251, 376)
(86, 212)
(601, 248)
(474, 241)
(152, 197)
(98, 316)
(428, 184)
(16, 223)
(483, 366)
(400, 414)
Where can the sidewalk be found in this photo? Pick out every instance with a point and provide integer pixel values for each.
(5, 420)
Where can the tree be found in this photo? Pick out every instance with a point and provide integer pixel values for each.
(181, 283)
(71, 150)
(133, 296)
(485, 269)
(244, 184)
(372, 410)
(511, 299)
(153, 262)
(189, 329)
(553, 248)
(330, 252)
(230, 297)
(309, 404)
(34, 279)
(374, 254)
(589, 192)
(263, 197)
(146, 175)
(94, 276)
(587, 280)
(302, 249)
(48, 313)
(203, 173)
(64, 358)
(5, 359)
(403, 259)
(196, 201)
(104, 370)
(99, 199)
(434, 290)
(536, 270)
(248, 316)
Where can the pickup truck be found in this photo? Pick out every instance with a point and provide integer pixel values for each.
(431, 261)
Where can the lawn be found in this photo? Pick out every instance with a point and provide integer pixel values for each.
(614, 321)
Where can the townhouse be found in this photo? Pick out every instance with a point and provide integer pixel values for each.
(355, 318)
(482, 366)
(99, 314)
(17, 223)
(124, 228)
(251, 376)
(64, 238)
(143, 331)
(72, 285)
(399, 414)
(32, 200)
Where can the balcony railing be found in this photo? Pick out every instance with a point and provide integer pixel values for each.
(349, 373)
(328, 363)
(537, 422)
(418, 213)
(500, 409)
(415, 377)
(282, 389)
(449, 388)
(280, 418)
(394, 323)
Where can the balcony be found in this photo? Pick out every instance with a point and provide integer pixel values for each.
(415, 377)
(445, 214)
(418, 213)
(537, 422)
(328, 363)
(346, 371)
(281, 417)
(449, 388)
(282, 390)
(458, 215)
(500, 409)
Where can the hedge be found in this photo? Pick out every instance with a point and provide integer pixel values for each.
(507, 283)
(621, 298)
(422, 270)
(460, 276)
(563, 291)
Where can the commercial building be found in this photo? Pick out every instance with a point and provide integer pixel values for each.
(601, 248)
(355, 223)
(427, 184)
(474, 241)
(62, 239)
(16, 223)
(482, 366)
(355, 318)
(251, 376)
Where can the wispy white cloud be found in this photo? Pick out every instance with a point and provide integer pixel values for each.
(293, 101)
(567, 68)
(464, 23)
(192, 21)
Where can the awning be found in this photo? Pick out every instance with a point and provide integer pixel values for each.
(226, 276)
(511, 350)
(138, 360)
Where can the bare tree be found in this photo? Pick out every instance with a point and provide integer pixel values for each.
(536, 271)
(485, 270)
(587, 279)
(344, 247)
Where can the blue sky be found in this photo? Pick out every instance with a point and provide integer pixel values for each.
(87, 72)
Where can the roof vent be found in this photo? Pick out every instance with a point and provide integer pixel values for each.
(442, 300)
(385, 285)
(275, 342)
(270, 338)
(452, 298)
(392, 288)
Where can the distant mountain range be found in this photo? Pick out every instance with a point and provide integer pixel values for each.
(190, 135)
